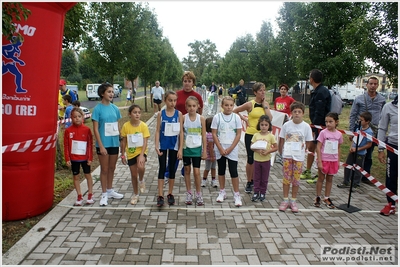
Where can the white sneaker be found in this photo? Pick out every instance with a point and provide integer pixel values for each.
(142, 186)
(214, 183)
(90, 201)
(238, 200)
(221, 197)
(104, 199)
(78, 202)
(134, 199)
(114, 195)
(203, 183)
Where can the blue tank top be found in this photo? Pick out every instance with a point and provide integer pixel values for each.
(168, 142)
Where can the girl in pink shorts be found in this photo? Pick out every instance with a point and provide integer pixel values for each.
(328, 151)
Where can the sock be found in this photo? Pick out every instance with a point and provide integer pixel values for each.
(190, 192)
(79, 197)
(213, 178)
(205, 178)
(237, 193)
(109, 190)
(293, 199)
(326, 197)
(104, 194)
(222, 190)
(198, 193)
(286, 199)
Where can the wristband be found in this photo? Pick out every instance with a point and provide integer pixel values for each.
(122, 156)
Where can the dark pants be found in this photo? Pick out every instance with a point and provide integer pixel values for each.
(348, 172)
(368, 161)
(391, 173)
(261, 175)
(162, 161)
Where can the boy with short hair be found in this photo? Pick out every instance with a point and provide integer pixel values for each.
(363, 144)
(294, 137)
(67, 101)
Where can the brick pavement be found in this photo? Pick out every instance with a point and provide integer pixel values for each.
(217, 234)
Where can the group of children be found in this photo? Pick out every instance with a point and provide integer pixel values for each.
(192, 138)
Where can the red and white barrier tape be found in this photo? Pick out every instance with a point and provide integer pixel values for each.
(38, 144)
(35, 145)
(368, 136)
(373, 180)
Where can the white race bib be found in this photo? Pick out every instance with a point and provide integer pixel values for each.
(259, 144)
(172, 129)
(331, 147)
(111, 129)
(193, 141)
(78, 147)
(135, 140)
(227, 137)
(292, 149)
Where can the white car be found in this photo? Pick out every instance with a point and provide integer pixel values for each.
(116, 90)
(86, 111)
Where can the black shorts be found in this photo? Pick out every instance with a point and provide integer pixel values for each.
(76, 166)
(157, 101)
(133, 161)
(110, 150)
(315, 133)
(187, 161)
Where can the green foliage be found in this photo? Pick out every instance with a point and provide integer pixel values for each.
(13, 11)
(75, 25)
(69, 63)
(202, 55)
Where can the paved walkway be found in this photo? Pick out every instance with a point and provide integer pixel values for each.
(217, 234)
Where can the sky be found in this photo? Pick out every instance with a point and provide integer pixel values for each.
(222, 22)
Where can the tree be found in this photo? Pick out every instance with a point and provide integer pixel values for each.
(202, 54)
(75, 25)
(374, 37)
(318, 39)
(11, 11)
(69, 63)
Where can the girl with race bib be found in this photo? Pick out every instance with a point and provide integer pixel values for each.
(135, 135)
(105, 119)
(294, 137)
(168, 140)
(194, 130)
(78, 151)
(328, 151)
(226, 130)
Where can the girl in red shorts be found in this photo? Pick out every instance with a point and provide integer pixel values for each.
(328, 151)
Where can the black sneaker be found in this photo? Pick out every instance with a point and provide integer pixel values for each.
(356, 188)
(317, 202)
(262, 197)
(255, 197)
(343, 185)
(248, 188)
(171, 199)
(160, 201)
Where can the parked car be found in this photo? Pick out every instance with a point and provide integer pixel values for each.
(86, 111)
(117, 92)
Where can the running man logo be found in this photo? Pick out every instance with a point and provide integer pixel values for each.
(11, 54)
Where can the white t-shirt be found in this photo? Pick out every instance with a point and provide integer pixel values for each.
(226, 126)
(295, 136)
(157, 92)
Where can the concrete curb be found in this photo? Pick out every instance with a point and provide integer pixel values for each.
(16, 254)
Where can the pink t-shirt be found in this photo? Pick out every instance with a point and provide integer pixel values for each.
(330, 144)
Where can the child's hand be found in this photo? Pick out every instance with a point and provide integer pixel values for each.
(141, 160)
(320, 166)
(213, 159)
(123, 160)
(158, 152)
(89, 162)
(69, 163)
(352, 149)
(179, 155)
(204, 155)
